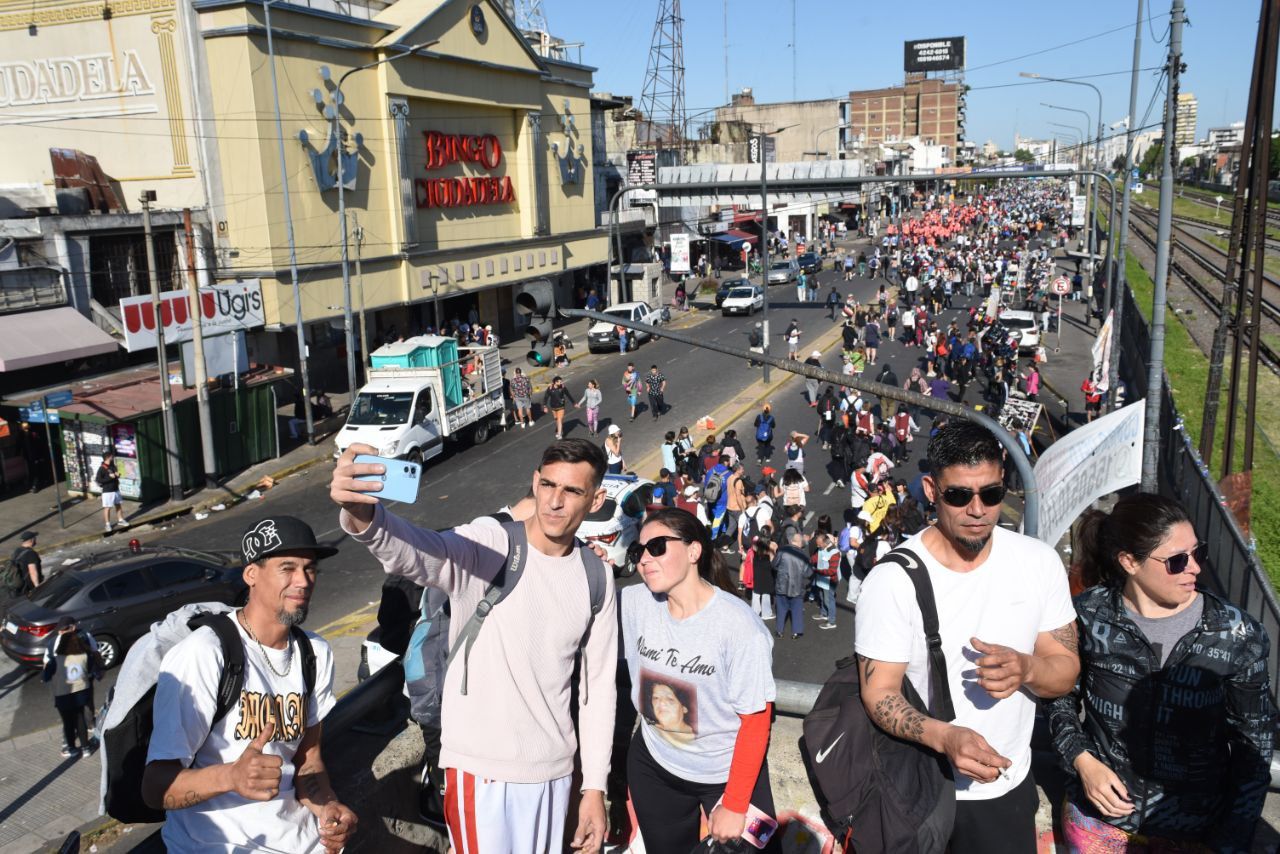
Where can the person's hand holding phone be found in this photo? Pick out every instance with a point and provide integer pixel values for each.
(357, 497)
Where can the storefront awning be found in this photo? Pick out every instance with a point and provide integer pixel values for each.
(36, 338)
(733, 238)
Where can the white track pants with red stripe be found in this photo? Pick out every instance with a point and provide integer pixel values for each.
(504, 818)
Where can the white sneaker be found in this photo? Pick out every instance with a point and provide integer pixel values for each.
(123, 523)
(107, 528)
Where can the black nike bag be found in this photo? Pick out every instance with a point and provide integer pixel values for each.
(880, 793)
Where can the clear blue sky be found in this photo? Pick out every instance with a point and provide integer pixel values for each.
(849, 44)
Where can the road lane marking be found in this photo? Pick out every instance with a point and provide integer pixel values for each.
(830, 486)
(807, 517)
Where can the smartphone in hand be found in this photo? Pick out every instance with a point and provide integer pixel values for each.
(399, 481)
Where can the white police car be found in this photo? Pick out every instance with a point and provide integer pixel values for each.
(617, 523)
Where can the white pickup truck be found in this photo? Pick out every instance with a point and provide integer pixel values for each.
(409, 411)
(603, 337)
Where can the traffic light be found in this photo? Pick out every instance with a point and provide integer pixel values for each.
(537, 303)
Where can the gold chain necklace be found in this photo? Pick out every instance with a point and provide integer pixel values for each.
(265, 657)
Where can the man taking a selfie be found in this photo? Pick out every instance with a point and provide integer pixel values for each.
(508, 742)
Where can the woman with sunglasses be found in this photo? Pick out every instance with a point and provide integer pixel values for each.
(1173, 753)
(701, 670)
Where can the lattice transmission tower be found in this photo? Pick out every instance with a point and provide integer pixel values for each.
(662, 99)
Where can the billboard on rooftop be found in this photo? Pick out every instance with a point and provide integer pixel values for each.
(945, 54)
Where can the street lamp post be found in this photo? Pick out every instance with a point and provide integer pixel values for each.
(817, 152)
(1093, 183)
(1097, 154)
(764, 244)
(288, 224)
(342, 205)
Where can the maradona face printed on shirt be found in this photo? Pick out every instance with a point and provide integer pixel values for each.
(670, 706)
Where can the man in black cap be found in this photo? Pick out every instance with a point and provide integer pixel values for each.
(254, 779)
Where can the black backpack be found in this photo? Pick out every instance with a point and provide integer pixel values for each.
(14, 575)
(882, 793)
(126, 739)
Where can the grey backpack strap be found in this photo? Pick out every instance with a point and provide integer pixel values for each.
(503, 583)
(596, 582)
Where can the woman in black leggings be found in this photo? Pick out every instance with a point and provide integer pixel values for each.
(700, 664)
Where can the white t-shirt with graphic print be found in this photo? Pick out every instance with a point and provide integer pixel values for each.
(184, 706)
(692, 678)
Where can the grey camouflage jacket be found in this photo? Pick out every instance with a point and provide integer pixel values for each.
(1192, 741)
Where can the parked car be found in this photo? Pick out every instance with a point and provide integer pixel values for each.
(747, 299)
(117, 595)
(617, 523)
(784, 271)
(810, 262)
(1025, 325)
(603, 337)
(728, 285)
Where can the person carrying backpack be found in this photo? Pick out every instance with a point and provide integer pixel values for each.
(1006, 635)
(704, 728)
(508, 741)
(794, 449)
(71, 664)
(222, 779)
(715, 494)
(765, 425)
(23, 573)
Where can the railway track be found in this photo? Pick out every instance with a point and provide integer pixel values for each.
(1206, 197)
(1223, 229)
(1191, 253)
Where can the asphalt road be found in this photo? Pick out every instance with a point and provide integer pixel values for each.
(470, 481)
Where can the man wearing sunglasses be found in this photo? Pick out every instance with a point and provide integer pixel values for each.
(1008, 636)
(508, 743)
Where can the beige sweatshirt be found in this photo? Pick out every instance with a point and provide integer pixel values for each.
(513, 724)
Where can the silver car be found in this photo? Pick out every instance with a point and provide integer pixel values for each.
(782, 272)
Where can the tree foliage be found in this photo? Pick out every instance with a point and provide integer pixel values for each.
(1023, 156)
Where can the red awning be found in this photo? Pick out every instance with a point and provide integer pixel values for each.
(746, 216)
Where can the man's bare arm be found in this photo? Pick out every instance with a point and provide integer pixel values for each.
(1049, 671)
(881, 684)
(167, 785)
(311, 778)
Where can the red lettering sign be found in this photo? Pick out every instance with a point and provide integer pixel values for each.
(444, 149)
(462, 192)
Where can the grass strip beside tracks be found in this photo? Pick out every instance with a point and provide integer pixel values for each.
(1188, 370)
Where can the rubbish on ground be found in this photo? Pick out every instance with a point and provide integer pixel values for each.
(218, 507)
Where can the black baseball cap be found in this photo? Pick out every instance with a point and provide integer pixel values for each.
(281, 534)
(27, 535)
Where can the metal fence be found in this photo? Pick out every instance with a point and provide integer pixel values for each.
(1235, 571)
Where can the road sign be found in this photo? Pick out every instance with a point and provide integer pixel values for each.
(1062, 286)
(37, 414)
(54, 399)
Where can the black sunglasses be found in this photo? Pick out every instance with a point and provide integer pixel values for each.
(960, 496)
(1177, 564)
(655, 546)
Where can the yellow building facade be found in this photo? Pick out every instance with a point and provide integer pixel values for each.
(466, 159)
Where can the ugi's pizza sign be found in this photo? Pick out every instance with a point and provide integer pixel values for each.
(223, 309)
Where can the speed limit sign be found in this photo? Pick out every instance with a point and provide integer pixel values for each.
(1062, 286)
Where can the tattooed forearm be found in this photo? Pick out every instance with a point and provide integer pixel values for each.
(867, 667)
(894, 715)
(313, 786)
(181, 802)
(1066, 635)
